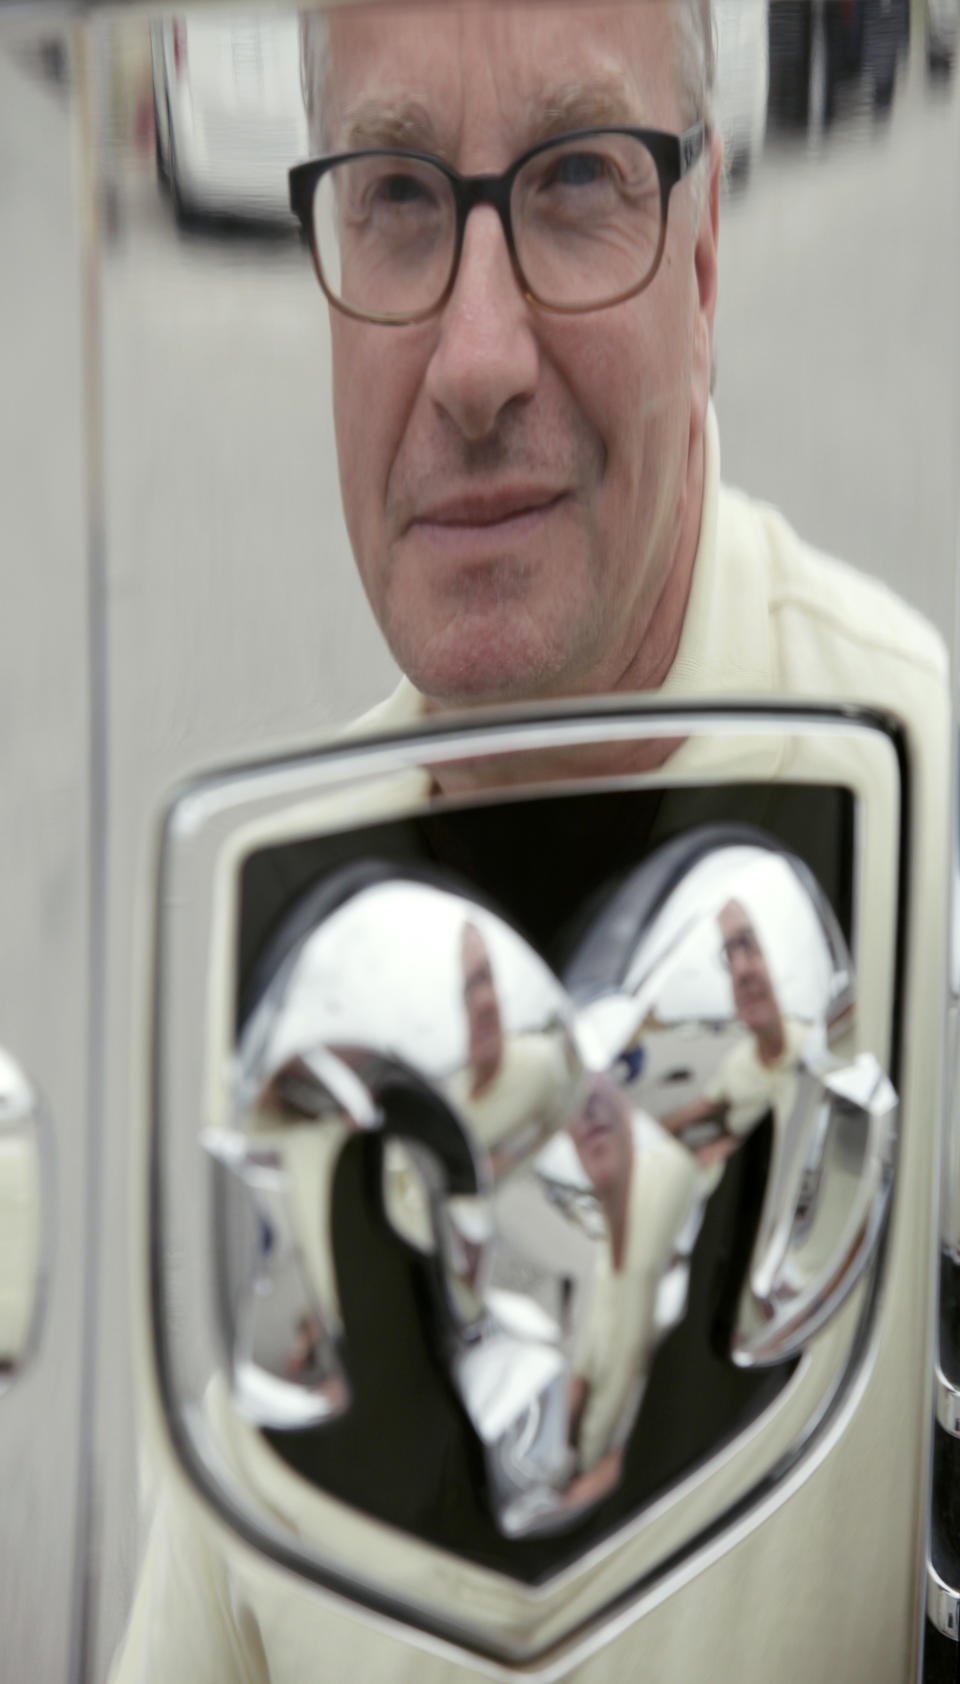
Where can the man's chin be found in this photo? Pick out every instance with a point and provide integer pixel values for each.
(482, 676)
(454, 698)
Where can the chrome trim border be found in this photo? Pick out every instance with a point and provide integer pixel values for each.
(211, 828)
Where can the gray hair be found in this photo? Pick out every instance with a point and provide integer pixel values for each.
(314, 72)
(696, 63)
(696, 71)
(696, 57)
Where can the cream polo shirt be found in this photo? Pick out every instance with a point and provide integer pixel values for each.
(527, 1098)
(766, 616)
(750, 1088)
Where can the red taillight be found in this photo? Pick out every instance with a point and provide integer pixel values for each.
(179, 45)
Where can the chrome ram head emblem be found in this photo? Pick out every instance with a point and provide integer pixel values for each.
(546, 1149)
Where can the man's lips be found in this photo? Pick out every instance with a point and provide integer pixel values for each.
(476, 510)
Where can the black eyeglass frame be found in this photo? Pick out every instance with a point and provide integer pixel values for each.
(674, 155)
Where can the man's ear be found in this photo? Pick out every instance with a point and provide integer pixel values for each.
(705, 266)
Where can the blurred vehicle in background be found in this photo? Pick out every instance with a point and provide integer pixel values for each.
(229, 113)
(742, 81)
(943, 27)
(818, 47)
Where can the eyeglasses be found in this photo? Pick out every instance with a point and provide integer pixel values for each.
(584, 216)
(480, 977)
(743, 944)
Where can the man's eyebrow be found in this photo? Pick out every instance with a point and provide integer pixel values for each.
(408, 124)
(610, 104)
(376, 123)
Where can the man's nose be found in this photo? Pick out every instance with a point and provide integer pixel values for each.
(487, 353)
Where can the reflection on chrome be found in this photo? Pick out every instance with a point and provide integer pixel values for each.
(737, 1006)
(548, 1149)
(281, 1294)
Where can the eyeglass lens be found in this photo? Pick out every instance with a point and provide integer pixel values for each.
(385, 234)
(586, 217)
(742, 945)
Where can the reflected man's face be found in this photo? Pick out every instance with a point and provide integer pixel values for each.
(602, 1136)
(754, 997)
(484, 1028)
(518, 485)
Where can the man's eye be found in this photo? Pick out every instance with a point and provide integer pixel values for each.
(596, 181)
(394, 203)
(579, 169)
(401, 190)
(573, 189)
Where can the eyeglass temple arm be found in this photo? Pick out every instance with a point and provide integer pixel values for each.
(692, 143)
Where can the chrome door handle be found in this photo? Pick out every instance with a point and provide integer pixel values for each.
(22, 1201)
